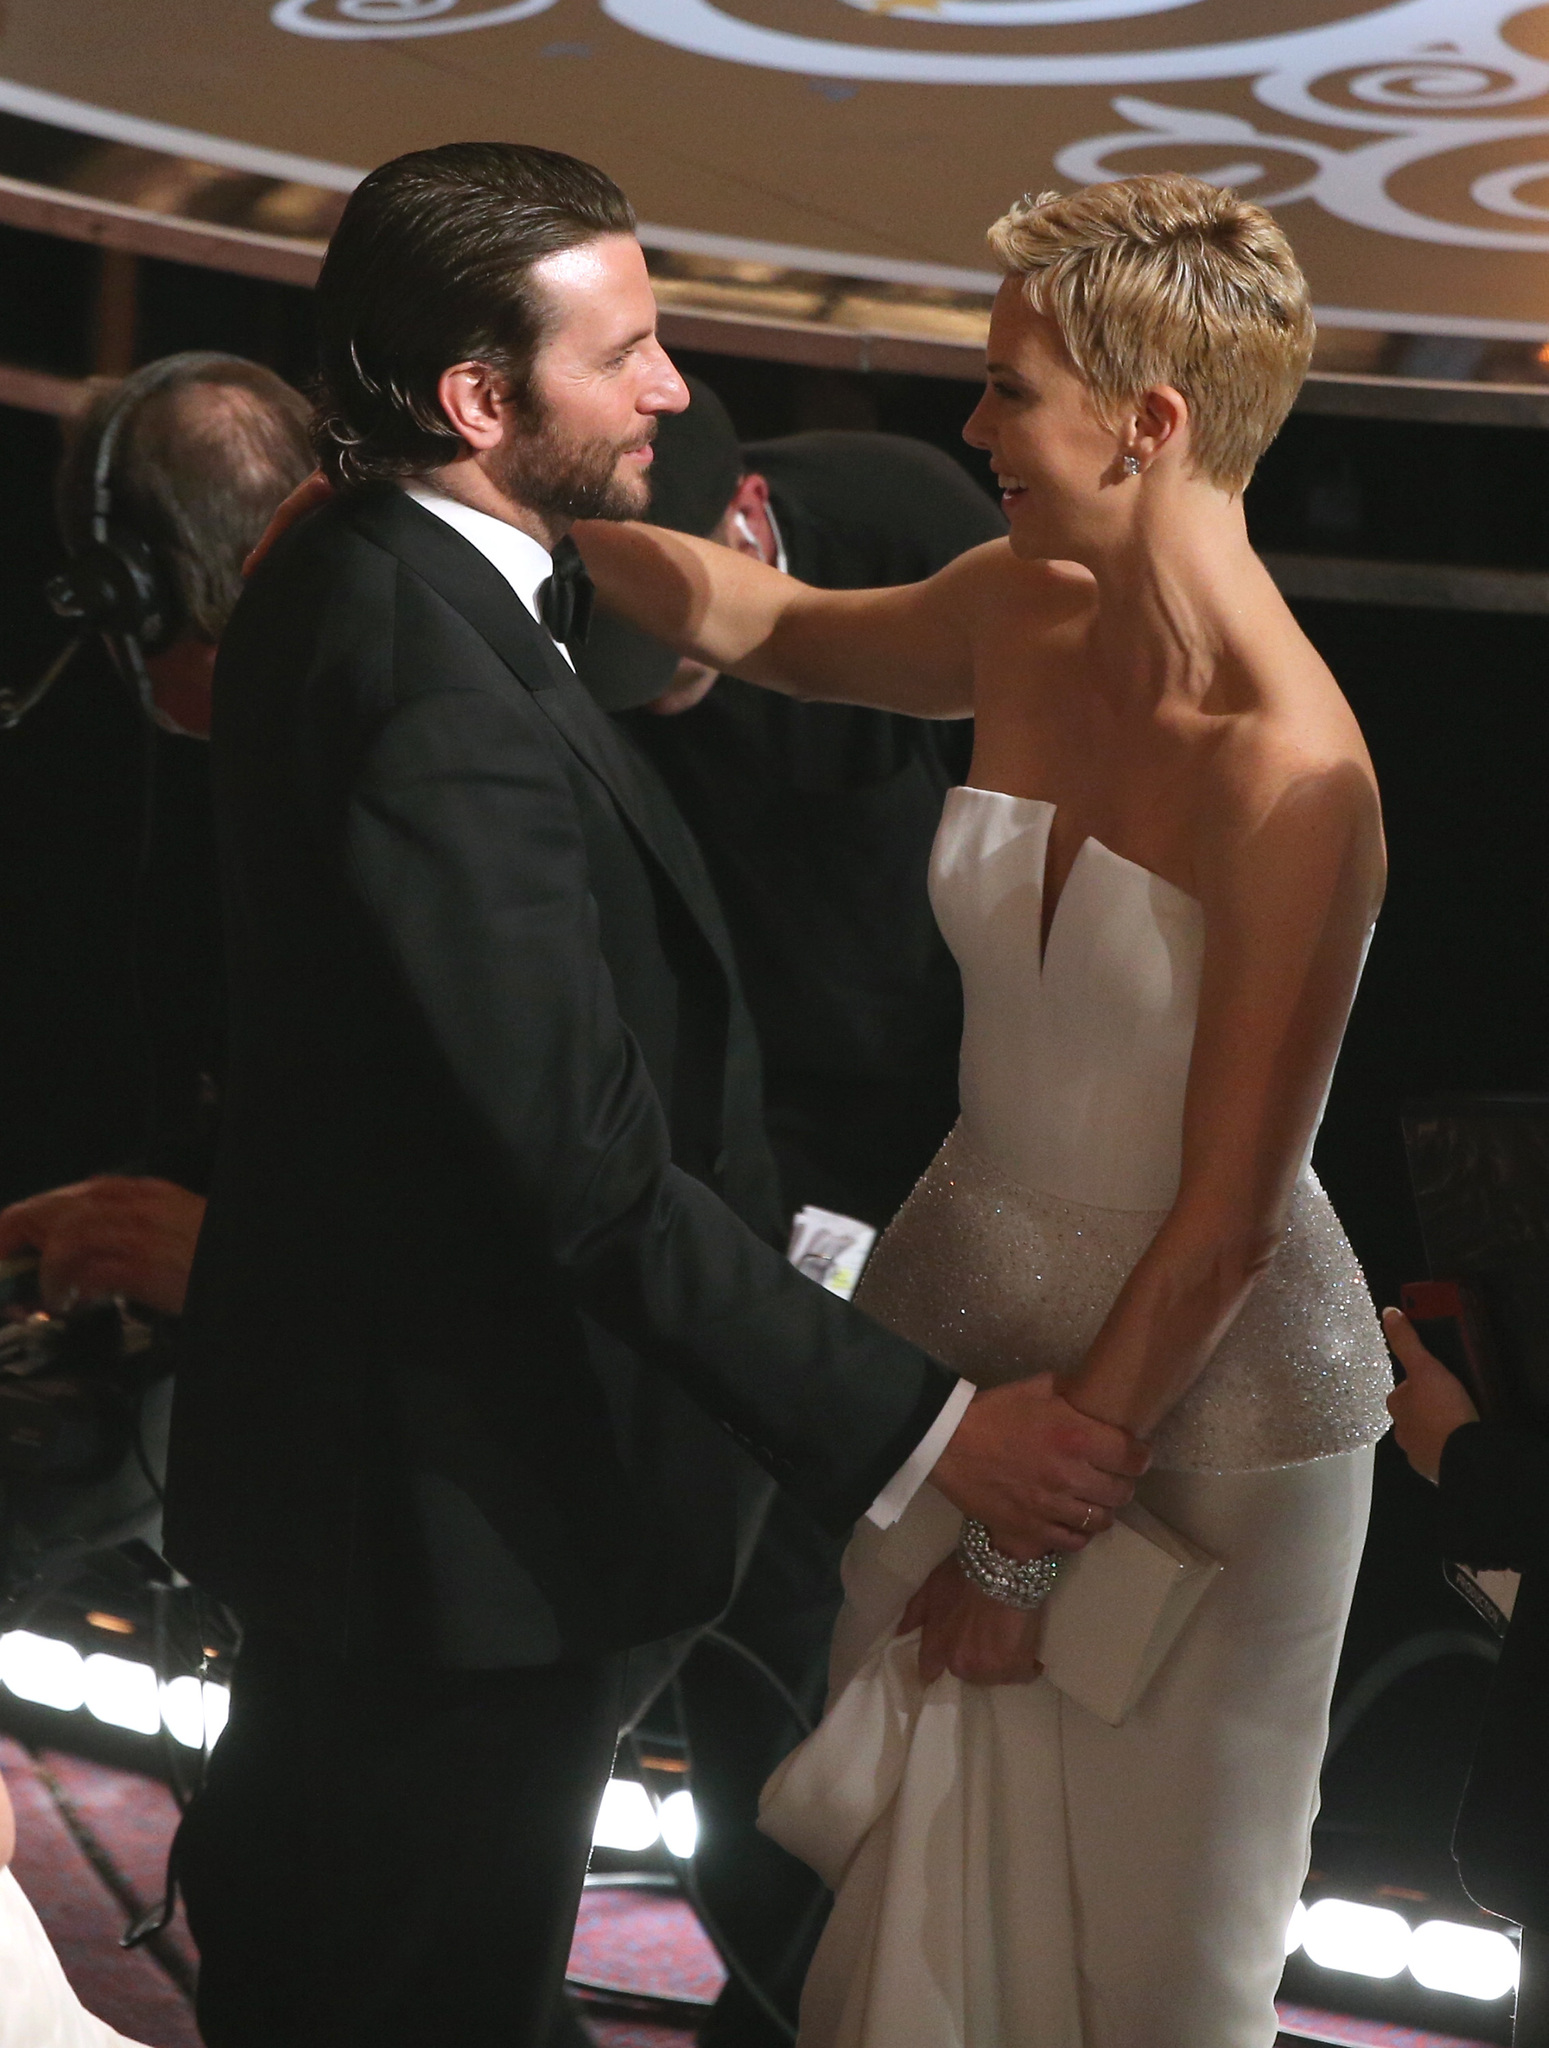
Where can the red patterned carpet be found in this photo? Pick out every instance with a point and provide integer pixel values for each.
(91, 1851)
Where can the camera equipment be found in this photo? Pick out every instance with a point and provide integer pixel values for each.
(70, 1392)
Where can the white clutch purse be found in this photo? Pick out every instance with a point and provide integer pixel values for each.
(1117, 1609)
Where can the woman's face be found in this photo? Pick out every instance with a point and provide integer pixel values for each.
(1059, 466)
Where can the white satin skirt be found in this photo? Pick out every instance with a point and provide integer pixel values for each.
(37, 2007)
(1012, 1872)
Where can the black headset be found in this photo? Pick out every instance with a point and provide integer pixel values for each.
(113, 584)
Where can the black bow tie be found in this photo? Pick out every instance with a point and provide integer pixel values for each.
(565, 598)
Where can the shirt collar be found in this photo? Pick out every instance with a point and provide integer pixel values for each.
(524, 562)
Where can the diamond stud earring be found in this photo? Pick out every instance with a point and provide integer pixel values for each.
(1132, 465)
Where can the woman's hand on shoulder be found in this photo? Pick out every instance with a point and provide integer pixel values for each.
(963, 1631)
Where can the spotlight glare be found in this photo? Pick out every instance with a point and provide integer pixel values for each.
(1473, 1962)
(1367, 1941)
(1294, 1931)
(38, 1669)
(122, 1692)
(679, 1823)
(626, 1819)
(217, 1711)
(194, 1713)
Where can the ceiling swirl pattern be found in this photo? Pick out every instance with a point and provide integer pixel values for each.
(1404, 142)
(1418, 83)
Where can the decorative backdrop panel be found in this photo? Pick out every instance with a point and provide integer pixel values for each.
(1405, 146)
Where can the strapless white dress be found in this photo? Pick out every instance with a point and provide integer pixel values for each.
(37, 2007)
(1010, 1871)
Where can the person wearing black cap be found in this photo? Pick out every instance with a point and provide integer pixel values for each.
(816, 823)
(816, 819)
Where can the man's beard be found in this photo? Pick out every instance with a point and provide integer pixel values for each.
(565, 479)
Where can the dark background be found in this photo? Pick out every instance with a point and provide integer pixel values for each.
(1454, 705)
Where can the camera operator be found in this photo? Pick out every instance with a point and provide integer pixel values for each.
(816, 823)
(1494, 1496)
(167, 481)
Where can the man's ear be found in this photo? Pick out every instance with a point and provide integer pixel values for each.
(746, 525)
(473, 397)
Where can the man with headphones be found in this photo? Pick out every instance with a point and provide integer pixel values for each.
(167, 482)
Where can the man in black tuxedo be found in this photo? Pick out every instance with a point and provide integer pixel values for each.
(486, 1341)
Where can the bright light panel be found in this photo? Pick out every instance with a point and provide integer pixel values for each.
(37, 1668)
(626, 1818)
(122, 1693)
(1474, 1962)
(1297, 1927)
(679, 1823)
(194, 1713)
(1368, 1941)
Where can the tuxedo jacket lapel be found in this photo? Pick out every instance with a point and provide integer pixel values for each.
(475, 589)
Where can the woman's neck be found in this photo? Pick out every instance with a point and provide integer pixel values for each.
(1174, 594)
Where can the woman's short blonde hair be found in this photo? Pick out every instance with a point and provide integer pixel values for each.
(1167, 280)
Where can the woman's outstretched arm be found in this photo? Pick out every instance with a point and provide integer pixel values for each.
(905, 648)
(1291, 874)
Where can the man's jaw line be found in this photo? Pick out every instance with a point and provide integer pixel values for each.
(473, 481)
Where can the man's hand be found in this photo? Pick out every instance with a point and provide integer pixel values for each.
(1429, 1403)
(1037, 1472)
(114, 1235)
(965, 1632)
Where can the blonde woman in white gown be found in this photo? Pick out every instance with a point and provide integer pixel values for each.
(1159, 884)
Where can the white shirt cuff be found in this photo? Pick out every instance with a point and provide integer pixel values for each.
(921, 1462)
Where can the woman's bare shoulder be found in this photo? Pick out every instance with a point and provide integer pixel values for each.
(1289, 779)
(999, 593)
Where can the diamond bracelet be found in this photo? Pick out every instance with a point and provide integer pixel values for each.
(1010, 1580)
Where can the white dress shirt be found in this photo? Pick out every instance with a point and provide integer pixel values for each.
(526, 564)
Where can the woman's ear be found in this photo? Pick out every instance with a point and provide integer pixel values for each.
(1160, 418)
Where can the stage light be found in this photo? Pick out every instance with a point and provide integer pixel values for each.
(217, 1711)
(195, 1714)
(1473, 1962)
(1297, 1927)
(122, 1693)
(626, 1819)
(38, 1669)
(679, 1823)
(182, 1708)
(1367, 1941)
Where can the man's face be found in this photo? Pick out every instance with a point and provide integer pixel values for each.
(599, 383)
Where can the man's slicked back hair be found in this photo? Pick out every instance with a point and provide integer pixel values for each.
(431, 265)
